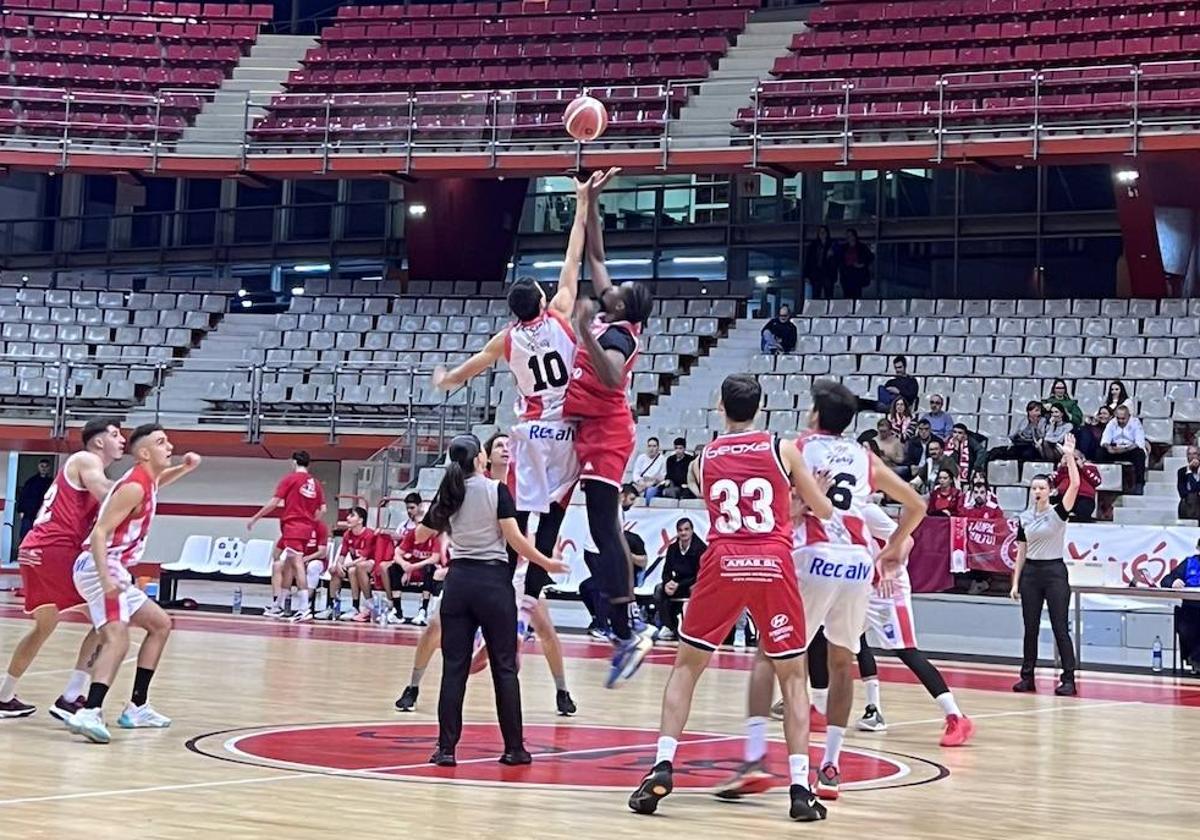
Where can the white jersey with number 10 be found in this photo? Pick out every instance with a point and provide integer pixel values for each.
(541, 355)
(849, 468)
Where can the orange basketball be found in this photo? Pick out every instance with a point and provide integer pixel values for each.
(585, 118)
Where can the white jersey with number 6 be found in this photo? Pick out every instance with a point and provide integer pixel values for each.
(541, 355)
(849, 468)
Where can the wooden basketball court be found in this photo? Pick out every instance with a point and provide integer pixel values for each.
(289, 732)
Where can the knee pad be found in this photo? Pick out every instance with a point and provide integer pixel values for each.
(314, 571)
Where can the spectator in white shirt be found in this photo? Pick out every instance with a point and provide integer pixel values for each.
(649, 469)
(941, 422)
(1124, 441)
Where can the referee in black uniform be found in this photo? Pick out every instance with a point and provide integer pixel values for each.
(479, 515)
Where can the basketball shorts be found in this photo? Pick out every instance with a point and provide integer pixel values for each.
(295, 538)
(835, 582)
(119, 606)
(543, 465)
(890, 620)
(52, 581)
(604, 446)
(755, 577)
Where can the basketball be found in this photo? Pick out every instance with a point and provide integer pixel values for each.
(585, 118)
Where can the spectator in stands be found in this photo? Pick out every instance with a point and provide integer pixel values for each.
(1124, 441)
(1117, 395)
(1188, 483)
(1088, 437)
(935, 460)
(1026, 439)
(1089, 484)
(901, 419)
(693, 481)
(649, 469)
(1187, 575)
(779, 334)
(854, 266)
(945, 498)
(916, 449)
(1061, 396)
(675, 484)
(941, 423)
(680, 569)
(887, 445)
(900, 385)
(33, 491)
(821, 264)
(980, 502)
(1056, 432)
(963, 451)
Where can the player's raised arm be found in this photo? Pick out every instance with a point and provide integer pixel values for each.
(172, 474)
(912, 509)
(491, 353)
(90, 470)
(271, 504)
(609, 363)
(803, 481)
(117, 509)
(563, 301)
(601, 282)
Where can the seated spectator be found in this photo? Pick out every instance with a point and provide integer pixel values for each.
(918, 444)
(1117, 395)
(980, 502)
(1089, 486)
(944, 498)
(1124, 441)
(1025, 440)
(1087, 437)
(693, 481)
(1188, 483)
(900, 385)
(780, 333)
(649, 469)
(680, 568)
(941, 423)
(935, 460)
(901, 419)
(675, 484)
(1056, 432)
(965, 452)
(1060, 396)
(887, 445)
(1187, 575)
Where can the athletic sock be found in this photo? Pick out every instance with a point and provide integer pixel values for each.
(303, 599)
(415, 680)
(354, 603)
(834, 736)
(820, 699)
(756, 738)
(798, 769)
(666, 749)
(277, 602)
(398, 606)
(872, 687)
(141, 686)
(619, 619)
(560, 682)
(96, 695)
(8, 688)
(76, 685)
(949, 707)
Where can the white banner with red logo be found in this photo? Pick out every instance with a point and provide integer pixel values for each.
(656, 527)
(1117, 555)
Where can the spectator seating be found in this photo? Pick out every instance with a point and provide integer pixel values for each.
(540, 54)
(95, 67)
(983, 63)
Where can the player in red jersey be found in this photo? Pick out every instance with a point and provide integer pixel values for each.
(113, 602)
(597, 398)
(747, 478)
(305, 570)
(303, 501)
(355, 562)
(388, 572)
(47, 556)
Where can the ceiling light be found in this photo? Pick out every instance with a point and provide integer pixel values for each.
(311, 268)
(297, 290)
(1127, 176)
(762, 279)
(549, 264)
(241, 293)
(698, 260)
(630, 261)
(246, 304)
(417, 211)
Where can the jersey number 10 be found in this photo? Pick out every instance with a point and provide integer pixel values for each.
(549, 371)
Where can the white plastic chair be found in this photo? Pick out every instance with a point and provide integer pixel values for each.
(228, 555)
(256, 558)
(194, 555)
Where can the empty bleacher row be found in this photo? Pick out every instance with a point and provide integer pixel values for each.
(891, 65)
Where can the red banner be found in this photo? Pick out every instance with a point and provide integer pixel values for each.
(983, 545)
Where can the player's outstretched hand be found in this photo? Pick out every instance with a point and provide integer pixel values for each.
(191, 460)
(439, 376)
(601, 178)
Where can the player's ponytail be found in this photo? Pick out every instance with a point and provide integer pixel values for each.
(461, 456)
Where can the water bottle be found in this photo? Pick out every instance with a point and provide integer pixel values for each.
(237, 600)
(1156, 655)
(336, 606)
(377, 610)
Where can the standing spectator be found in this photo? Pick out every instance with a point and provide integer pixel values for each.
(1117, 395)
(1056, 432)
(1088, 438)
(780, 331)
(680, 568)
(1187, 575)
(980, 502)
(855, 265)
(900, 385)
(1060, 396)
(1089, 485)
(1025, 440)
(1124, 441)
(916, 450)
(1188, 482)
(963, 451)
(33, 491)
(887, 445)
(901, 419)
(941, 423)
(675, 484)
(935, 460)
(944, 498)
(649, 469)
(693, 481)
(821, 264)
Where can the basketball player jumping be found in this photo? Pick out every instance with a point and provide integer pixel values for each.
(103, 580)
(747, 478)
(47, 556)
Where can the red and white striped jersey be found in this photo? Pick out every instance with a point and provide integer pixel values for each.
(849, 466)
(128, 539)
(747, 490)
(541, 355)
(587, 395)
(66, 516)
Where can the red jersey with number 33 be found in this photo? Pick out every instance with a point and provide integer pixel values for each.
(65, 518)
(747, 490)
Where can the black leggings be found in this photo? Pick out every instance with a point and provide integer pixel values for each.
(611, 570)
(549, 524)
(818, 665)
(1046, 580)
(479, 595)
